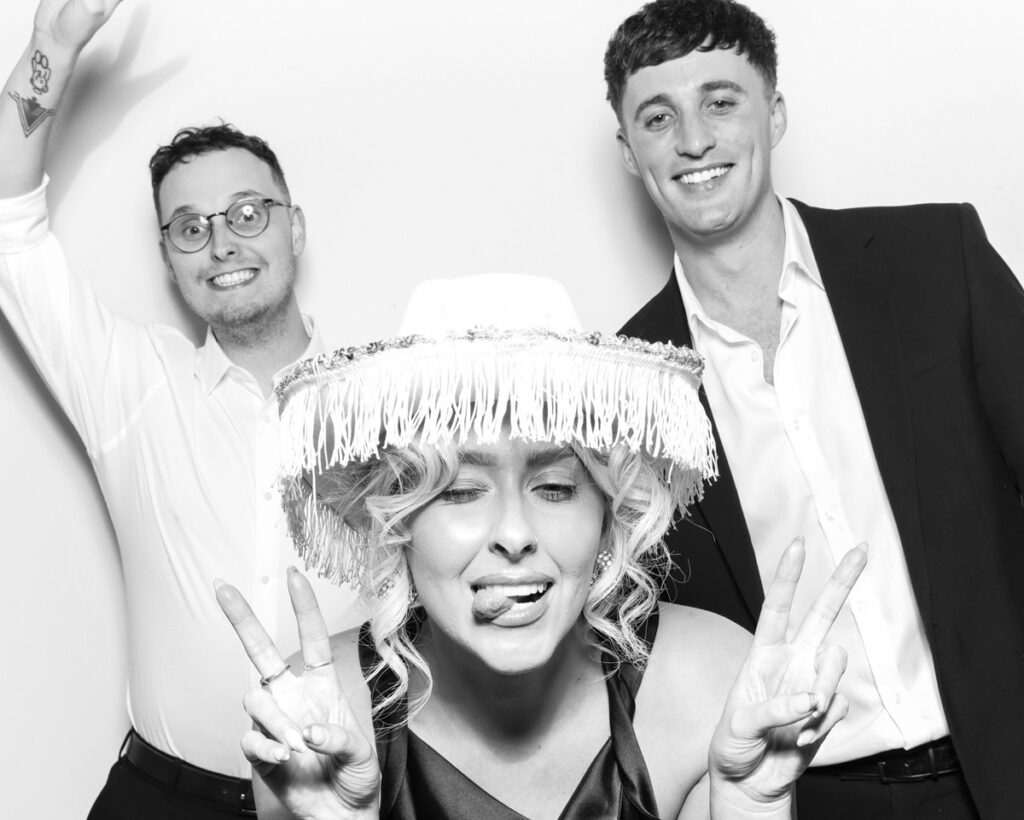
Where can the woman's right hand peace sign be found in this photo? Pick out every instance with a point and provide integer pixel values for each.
(307, 746)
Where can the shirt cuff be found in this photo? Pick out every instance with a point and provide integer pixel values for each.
(24, 220)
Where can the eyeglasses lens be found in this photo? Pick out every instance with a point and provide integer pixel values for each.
(247, 218)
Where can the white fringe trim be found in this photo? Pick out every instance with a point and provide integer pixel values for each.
(460, 389)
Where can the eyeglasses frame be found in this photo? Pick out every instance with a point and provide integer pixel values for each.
(270, 202)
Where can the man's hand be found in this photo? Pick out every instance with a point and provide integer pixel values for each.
(72, 23)
(32, 95)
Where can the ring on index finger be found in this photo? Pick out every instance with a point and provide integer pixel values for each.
(269, 679)
(309, 666)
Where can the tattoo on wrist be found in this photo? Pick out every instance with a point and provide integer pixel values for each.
(32, 114)
(40, 72)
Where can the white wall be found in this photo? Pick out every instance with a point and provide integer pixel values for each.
(422, 139)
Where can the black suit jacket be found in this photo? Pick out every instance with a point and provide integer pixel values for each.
(932, 322)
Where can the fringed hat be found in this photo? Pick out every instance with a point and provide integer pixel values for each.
(476, 356)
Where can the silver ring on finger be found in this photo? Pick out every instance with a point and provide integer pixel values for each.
(309, 666)
(269, 679)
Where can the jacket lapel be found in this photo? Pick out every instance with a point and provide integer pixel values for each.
(856, 280)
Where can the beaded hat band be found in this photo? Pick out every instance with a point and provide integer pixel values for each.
(533, 382)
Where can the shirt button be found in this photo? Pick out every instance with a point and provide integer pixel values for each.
(265, 419)
(265, 579)
(268, 495)
(898, 698)
(753, 356)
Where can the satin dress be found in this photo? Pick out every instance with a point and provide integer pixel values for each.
(418, 783)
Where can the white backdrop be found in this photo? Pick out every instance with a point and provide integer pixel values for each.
(422, 139)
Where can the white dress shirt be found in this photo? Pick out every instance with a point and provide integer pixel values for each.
(184, 445)
(804, 466)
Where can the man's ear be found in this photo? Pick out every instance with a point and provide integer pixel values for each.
(628, 157)
(298, 230)
(778, 117)
(167, 261)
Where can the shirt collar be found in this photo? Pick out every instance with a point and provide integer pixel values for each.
(797, 257)
(213, 364)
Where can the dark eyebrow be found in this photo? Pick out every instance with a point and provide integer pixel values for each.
(189, 208)
(722, 85)
(657, 99)
(706, 88)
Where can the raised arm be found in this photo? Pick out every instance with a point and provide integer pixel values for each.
(34, 90)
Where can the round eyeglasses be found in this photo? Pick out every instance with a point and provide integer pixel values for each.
(248, 217)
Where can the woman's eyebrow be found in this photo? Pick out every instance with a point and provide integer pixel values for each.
(549, 455)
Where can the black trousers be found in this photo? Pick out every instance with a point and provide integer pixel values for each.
(831, 797)
(131, 794)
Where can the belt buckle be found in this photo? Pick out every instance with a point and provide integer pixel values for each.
(932, 774)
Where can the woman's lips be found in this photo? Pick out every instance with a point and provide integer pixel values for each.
(491, 601)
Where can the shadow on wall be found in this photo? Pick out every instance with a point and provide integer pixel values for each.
(101, 76)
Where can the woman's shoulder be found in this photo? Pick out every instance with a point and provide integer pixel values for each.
(689, 634)
(694, 661)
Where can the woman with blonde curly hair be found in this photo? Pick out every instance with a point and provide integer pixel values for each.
(499, 491)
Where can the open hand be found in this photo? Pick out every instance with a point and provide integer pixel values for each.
(72, 23)
(306, 746)
(784, 701)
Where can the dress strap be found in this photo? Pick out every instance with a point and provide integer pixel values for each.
(390, 730)
(622, 690)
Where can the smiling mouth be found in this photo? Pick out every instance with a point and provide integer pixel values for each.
(494, 600)
(233, 279)
(700, 177)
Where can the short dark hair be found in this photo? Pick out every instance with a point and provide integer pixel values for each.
(196, 141)
(667, 29)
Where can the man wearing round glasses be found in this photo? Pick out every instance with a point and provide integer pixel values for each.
(183, 440)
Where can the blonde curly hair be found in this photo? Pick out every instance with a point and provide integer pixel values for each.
(376, 498)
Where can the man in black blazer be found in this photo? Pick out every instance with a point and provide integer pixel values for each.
(865, 382)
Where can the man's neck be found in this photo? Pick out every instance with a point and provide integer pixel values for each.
(264, 350)
(737, 274)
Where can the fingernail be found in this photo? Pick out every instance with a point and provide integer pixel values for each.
(315, 735)
(281, 754)
(294, 738)
(805, 737)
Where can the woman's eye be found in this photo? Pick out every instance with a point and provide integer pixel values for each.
(556, 491)
(461, 495)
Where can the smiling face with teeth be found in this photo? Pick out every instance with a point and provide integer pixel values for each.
(503, 557)
(235, 284)
(699, 130)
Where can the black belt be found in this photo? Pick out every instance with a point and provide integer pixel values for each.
(928, 761)
(226, 791)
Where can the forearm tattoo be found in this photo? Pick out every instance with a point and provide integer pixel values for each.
(30, 111)
(40, 72)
